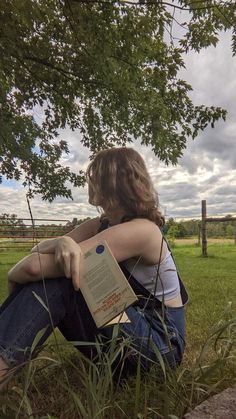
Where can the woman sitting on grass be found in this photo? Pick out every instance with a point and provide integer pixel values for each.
(118, 183)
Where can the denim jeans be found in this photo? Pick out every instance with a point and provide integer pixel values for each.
(23, 315)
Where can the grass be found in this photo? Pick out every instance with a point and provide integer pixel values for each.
(68, 386)
(7, 260)
(211, 285)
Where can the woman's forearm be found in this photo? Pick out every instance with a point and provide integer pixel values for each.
(23, 270)
(34, 267)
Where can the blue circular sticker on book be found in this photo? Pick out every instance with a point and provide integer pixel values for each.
(100, 248)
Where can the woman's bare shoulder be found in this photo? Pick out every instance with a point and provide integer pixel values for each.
(138, 228)
(154, 247)
(146, 224)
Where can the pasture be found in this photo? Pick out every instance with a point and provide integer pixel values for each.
(208, 366)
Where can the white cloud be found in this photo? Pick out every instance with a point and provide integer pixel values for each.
(15, 202)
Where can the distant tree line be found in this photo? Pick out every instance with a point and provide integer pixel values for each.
(11, 226)
(189, 228)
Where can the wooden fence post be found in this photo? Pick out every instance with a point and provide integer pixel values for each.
(199, 235)
(204, 238)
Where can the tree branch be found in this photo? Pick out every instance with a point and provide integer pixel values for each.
(152, 2)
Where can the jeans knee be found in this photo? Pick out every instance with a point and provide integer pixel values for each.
(49, 288)
(48, 284)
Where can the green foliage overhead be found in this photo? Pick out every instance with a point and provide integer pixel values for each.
(107, 68)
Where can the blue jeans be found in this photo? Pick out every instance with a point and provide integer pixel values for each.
(22, 316)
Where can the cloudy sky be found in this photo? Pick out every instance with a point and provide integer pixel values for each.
(206, 171)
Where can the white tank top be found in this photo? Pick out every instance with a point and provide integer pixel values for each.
(165, 286)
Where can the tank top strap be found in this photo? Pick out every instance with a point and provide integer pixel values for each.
(104, 224)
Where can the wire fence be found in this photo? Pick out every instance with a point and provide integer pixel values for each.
(22, 235)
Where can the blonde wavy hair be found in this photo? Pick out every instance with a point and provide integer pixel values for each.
(118, 177)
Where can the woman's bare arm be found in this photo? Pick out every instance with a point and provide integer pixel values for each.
(34, 267)
(138, 237)
(29, 268)
(83, 232)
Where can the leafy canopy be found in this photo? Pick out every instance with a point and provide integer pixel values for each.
(107, 68)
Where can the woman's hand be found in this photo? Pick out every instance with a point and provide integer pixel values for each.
(67, 256)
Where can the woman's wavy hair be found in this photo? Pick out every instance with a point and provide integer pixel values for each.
(119, 177)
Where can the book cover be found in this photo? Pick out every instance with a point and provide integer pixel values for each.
(104, 286)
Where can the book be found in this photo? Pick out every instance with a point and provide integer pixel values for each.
(104, 286)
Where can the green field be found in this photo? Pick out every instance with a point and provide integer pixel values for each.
(7, 260)
(211, 285)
